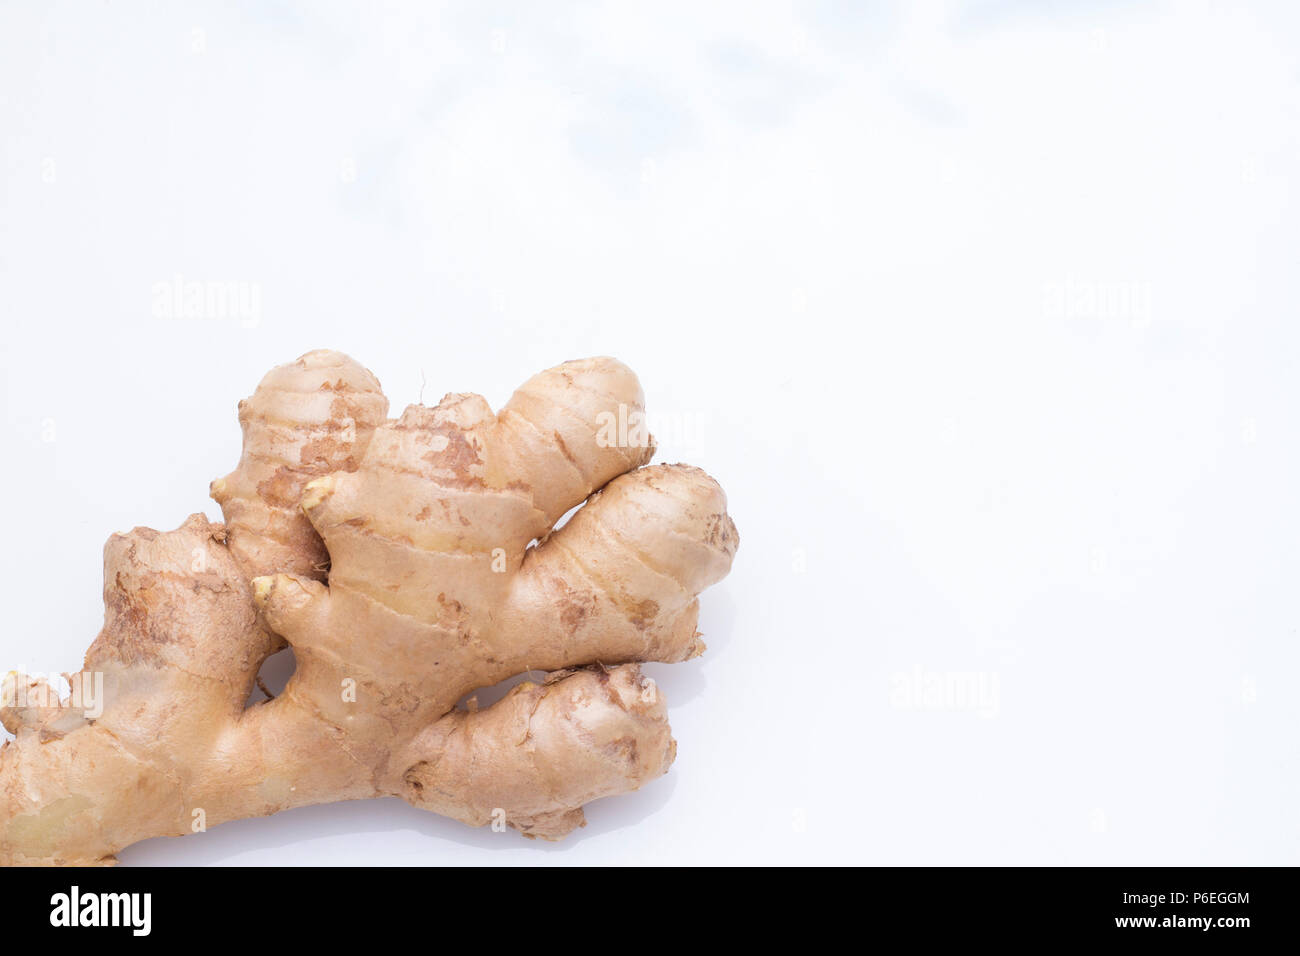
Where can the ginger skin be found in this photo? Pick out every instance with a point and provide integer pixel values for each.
(408, 563)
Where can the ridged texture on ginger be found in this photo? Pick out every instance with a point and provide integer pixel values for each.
(307, 419)
(444, 576)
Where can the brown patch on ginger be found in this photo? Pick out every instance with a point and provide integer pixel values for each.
(575, 607)
(283, 489)
(642, 613)
(323, 453)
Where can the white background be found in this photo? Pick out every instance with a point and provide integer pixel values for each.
(983, 315)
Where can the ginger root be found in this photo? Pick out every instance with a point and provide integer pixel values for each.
(408, 563)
